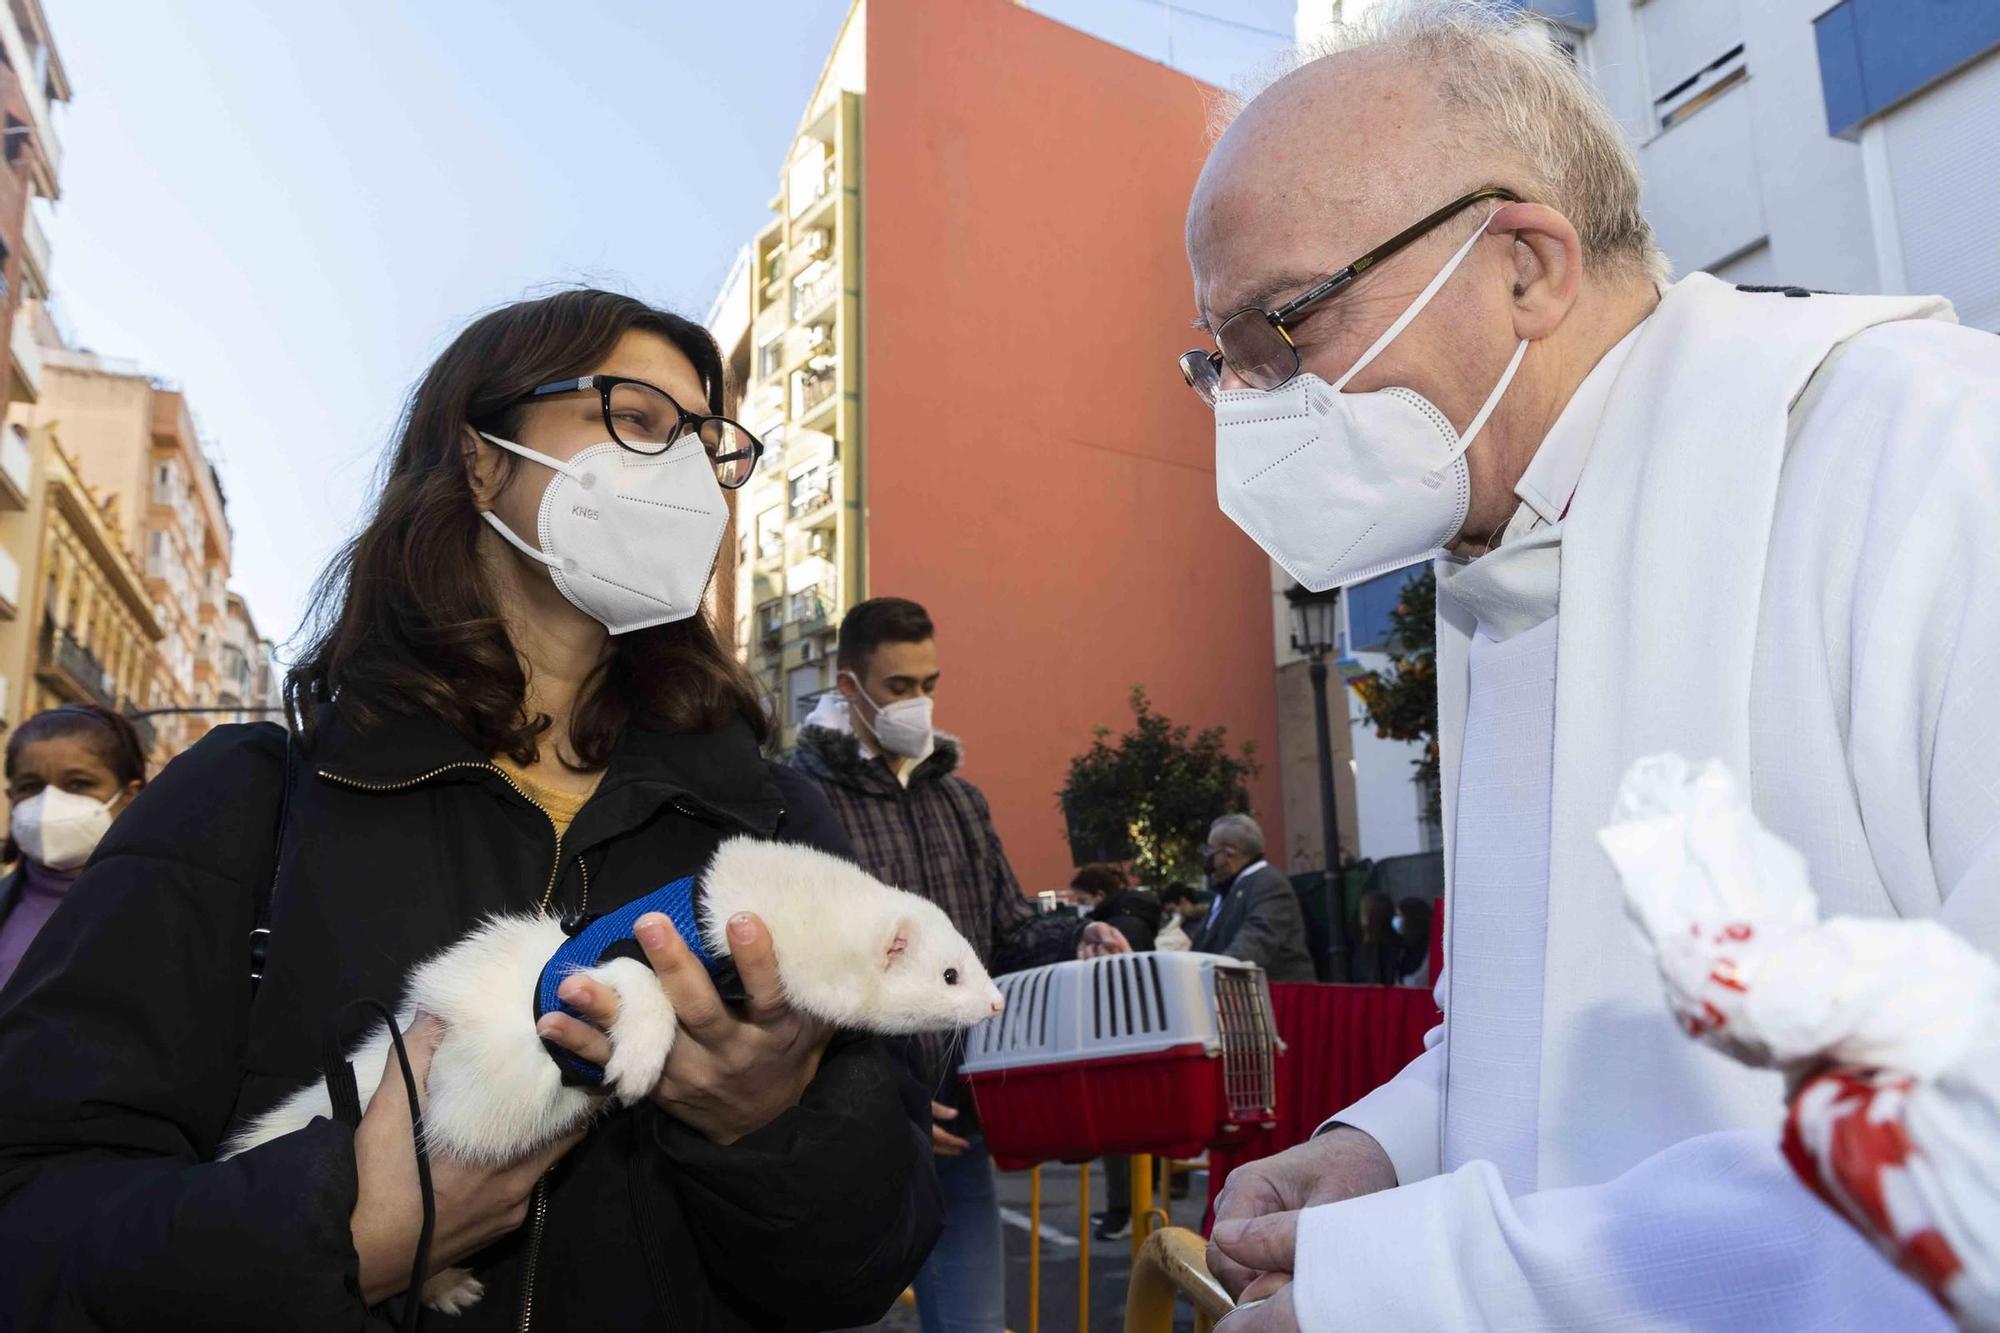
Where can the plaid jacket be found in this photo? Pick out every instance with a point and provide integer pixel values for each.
(936, 839)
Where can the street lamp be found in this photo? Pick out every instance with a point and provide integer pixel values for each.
(1315, 632)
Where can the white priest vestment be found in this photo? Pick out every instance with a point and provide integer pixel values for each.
(1781, 553)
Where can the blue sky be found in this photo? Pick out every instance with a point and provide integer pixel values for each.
(289, 209)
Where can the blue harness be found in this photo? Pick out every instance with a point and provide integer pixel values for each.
(610, 936)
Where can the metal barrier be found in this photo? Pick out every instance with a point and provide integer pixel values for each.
(1173, 1263)
(1161, 1253)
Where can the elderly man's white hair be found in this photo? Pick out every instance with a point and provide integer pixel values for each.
(1520, 94)
(1239, 833)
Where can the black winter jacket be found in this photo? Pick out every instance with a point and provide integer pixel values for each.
(1136, 915)
(130, 1048)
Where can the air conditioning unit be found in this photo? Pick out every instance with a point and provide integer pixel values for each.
(809, 650)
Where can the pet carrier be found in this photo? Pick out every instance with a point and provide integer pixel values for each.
(1137, 1053)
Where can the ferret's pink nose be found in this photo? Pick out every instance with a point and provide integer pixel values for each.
(995, 1002)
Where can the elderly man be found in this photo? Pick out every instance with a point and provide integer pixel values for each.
(1748, 524)
(1255, 915)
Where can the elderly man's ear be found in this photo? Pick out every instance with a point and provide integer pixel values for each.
(1548, 266)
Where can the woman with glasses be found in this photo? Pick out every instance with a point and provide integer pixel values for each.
(510, 700)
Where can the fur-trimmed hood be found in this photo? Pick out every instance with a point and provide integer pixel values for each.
(836, 756)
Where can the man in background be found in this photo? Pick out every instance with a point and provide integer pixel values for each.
(1182, 909)
(893, 781)
(1255, 915)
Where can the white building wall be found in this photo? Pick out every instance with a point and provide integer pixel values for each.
(1751, 186)
(1934, 167)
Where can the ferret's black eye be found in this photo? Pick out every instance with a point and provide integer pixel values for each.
(951, 976)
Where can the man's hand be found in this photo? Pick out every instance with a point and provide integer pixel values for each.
(1267, 1246)
(1101, 939)
(1274, 1314)
(1250, 1216)
(944, 1143)
(729, 1074)
(475, 1204)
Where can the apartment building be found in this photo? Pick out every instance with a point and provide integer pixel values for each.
(134, 442)
(958, 333)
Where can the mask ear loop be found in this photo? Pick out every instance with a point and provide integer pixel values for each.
(1416, 307)
(1435, 476)
(493, 519)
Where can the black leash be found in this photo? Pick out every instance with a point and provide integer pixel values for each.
(346, 1099)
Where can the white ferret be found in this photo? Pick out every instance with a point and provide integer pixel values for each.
(851, 951)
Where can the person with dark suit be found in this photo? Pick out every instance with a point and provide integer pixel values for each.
(1255, 915)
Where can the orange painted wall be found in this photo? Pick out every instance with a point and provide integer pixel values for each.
(1037, 473)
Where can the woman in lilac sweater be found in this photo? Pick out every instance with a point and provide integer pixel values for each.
(70, 772)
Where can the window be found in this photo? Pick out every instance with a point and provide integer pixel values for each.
(802, 689)
(771, 619)
(1570, 42)
(771, 533)
(810, 175)
(166, 484)
(1701, 88)
(806, 605)
(1693, 52)
(810, 490)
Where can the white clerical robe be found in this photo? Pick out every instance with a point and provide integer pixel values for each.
(1780, 553)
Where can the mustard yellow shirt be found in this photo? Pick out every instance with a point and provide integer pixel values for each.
(560, 806)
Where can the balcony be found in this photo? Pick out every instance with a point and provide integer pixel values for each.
(23, 51)
(26, 353)
(811, 246)
(812, 388)
(812, 179)
(17, 467)
(811, 494)
(35, 247)
(814, 288)
(70, 669)
(809, 610)
(771, 315)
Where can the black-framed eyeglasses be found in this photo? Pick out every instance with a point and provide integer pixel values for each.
(647, 420)
(1257, 344)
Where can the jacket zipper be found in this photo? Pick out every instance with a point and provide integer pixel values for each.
(555, 868)
(540, 1205)
(541, 1214)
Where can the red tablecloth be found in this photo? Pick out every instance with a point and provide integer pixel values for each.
(1340, 1043)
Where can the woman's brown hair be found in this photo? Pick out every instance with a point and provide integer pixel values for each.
(402, 621)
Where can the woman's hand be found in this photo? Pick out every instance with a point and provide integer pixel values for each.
(730, 1073)
(475, 1204)
(944, 1143)
(1101, 939)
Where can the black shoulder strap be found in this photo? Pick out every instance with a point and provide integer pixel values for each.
(260, 931)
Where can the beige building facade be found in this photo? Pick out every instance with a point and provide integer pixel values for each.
(135, 445)
(95, 636)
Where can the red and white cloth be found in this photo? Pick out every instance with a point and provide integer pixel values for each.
(1888, 1032)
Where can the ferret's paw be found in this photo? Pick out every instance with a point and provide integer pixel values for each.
(453, 1291)
(644, 1032)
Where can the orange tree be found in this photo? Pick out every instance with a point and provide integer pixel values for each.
(1149, 795)
(1402, 701)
